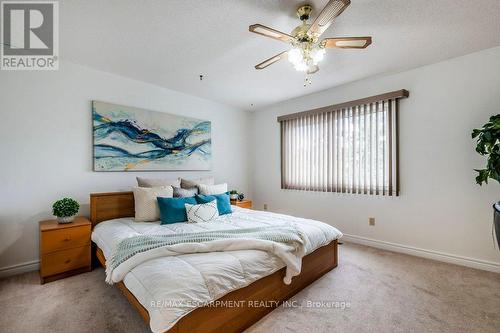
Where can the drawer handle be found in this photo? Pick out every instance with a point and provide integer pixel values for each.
(67, 239)
(67, 261)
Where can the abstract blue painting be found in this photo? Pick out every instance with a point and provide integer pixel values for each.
(133, 139)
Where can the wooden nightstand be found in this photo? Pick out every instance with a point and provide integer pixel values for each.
(243, 203)
(64, 248)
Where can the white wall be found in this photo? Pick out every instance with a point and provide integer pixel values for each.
(46, 142)
(440, 209)
(46, 145)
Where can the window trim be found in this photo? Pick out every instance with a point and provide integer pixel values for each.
(397, 94)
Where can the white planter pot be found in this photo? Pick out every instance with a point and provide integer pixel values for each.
(66, 219)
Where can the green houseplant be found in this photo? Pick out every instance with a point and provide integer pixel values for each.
(488, 144)
(65, 209)
(233, 195)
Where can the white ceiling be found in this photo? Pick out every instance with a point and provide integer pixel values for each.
(169, 43)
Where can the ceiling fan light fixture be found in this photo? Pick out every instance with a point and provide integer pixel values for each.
(295, 56)
(317, 55)
(305, 56)
(308, 50)
(301, 66)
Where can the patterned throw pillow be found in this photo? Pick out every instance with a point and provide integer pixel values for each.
(146, 204)
(202, 213)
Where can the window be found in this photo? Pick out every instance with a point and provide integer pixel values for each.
(350, 148)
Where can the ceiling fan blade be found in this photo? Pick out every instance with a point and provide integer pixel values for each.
(271, 60)
(332, 9)
(347, 42)
(270, 32)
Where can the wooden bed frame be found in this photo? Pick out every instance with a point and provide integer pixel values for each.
(270, 289)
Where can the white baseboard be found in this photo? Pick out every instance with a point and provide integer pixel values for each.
(19, 268)
(429, 254)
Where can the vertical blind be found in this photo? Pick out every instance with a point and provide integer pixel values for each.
(349, 148)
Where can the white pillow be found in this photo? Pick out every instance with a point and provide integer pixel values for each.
(202, 213)
(146, 205)
(212, 189)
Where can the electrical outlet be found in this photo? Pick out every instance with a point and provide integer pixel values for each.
(371, 221)
(265, 206)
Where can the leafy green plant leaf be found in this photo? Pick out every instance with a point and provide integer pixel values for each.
(65, 207)
(488, 144)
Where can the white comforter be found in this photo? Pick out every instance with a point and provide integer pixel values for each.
(170, 287)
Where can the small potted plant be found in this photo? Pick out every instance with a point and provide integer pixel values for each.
(488, 144)
(233, 195)
(65, 210)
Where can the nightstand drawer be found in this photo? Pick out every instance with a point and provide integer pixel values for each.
(65, 260)
(60, 239)
(243, 204)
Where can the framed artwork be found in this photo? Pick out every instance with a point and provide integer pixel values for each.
(134, 139)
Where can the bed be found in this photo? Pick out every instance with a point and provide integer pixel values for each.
(219, 291)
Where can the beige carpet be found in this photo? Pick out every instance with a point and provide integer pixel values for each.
(383, 291)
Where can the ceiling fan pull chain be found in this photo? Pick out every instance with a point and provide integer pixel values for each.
(307, 81)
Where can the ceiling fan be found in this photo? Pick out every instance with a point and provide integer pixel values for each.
(307, 48)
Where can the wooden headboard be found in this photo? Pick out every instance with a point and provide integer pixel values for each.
(111, 205)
